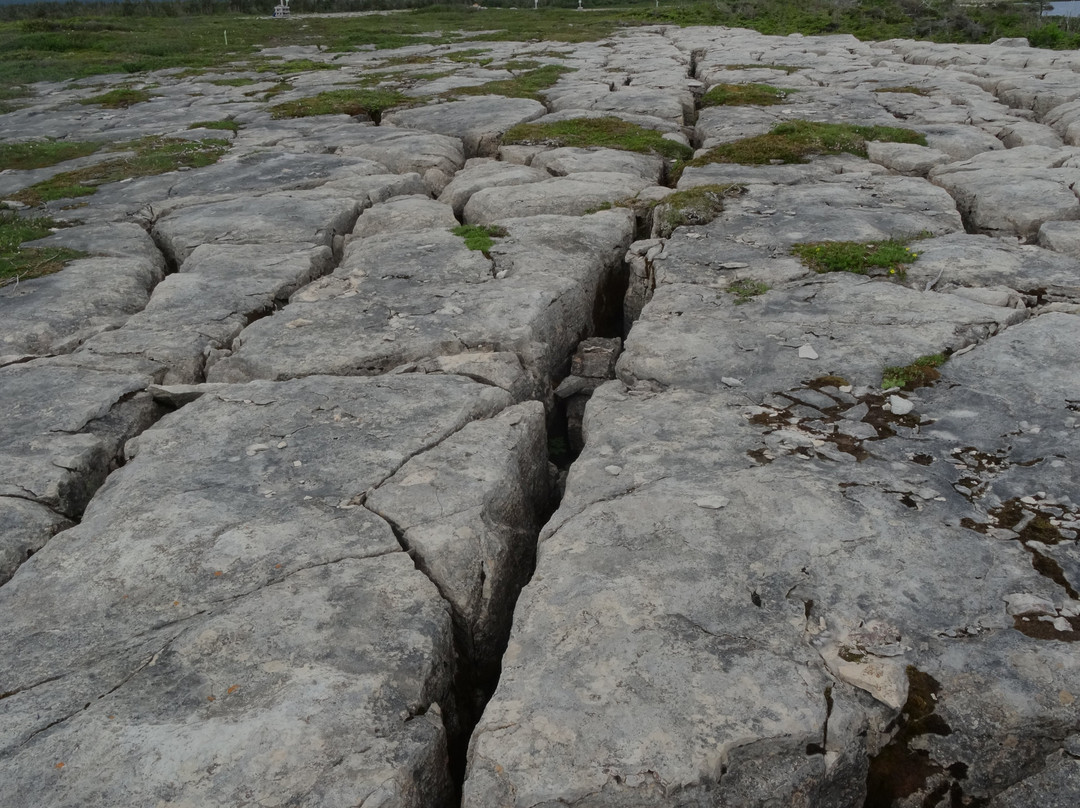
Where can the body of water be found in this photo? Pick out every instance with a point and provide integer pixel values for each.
(1069, 8)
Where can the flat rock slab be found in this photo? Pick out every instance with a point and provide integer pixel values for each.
(65, 429)
(492, 174)
(404, 214)
(1014, 191)
(293, 217)
(668, 580)
(572, 195)
(692, 337)
(197, 312)
(469, 511)
(959, 260)
(401, 299)
(479, 121)
(566, 160)
(270, 612)
(434, 157)
(844, 207)
(25, 527)
(55, 313)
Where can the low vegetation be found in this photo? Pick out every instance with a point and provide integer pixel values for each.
(371, 102)
(42, 153)
(142, 158)
(225, 125)
(694, 206)
(480, 236)
(797, 141)
(120, 98)
(746, 290)
(920, 373)
(906, 89)
(527, 84)
(730, 95)
(886, 258)
(19, 263)
(294, 66)
(610, 132)
(789, 69)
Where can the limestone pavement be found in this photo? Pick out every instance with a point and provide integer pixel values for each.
(287, 513)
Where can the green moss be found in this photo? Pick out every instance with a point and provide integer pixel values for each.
(907, 89)
(359, 101)
(789, 69)
(23, 263)
(152, 155)
(42, 153)
(237, 82)
(528, 84)
(468, 55)
(797, 141)
(611, 133)
(921, 372)
(120, 98)
(759, 95)
(225, 125)
(294, 66)
(694, 206)
(480, 237)
(860, 258)
(746, 290)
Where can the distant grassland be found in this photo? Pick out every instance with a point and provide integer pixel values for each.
(128, 37)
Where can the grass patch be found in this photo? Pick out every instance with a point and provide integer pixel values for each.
(860, 258)
(611, 133)
(237, 82)
(528, 84)
(470, 55)
(359, 101)
(152, 155)
(746, 290)
(294, 66)
(920, 373)
(743, 95)
(224, 125)
(480, 236)
(759, 66)
(42, 153)
(796, 141)
(694, 206)
(120, 98)
(17, 263)
(908, 89)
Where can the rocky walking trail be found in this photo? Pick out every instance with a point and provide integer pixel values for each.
(309, 497)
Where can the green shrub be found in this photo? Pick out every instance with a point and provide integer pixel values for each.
(480, 236)
(920, 373)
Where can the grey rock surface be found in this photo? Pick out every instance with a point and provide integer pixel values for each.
(233, 572)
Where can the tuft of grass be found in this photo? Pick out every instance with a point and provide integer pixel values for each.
(120, 98)
(42, 153)
(22, 263)
(789, 69)
(480, 236)
(469, 55)
(224, 125)
(908, 89)
(358, 101)
(698, 205)
(757, 95)
(746, 290)
(920, 373)
(611, 133)
(860, 258)
(294, 66)
(237, 82)
(796, 141)
(528, 84)
(152, 155)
